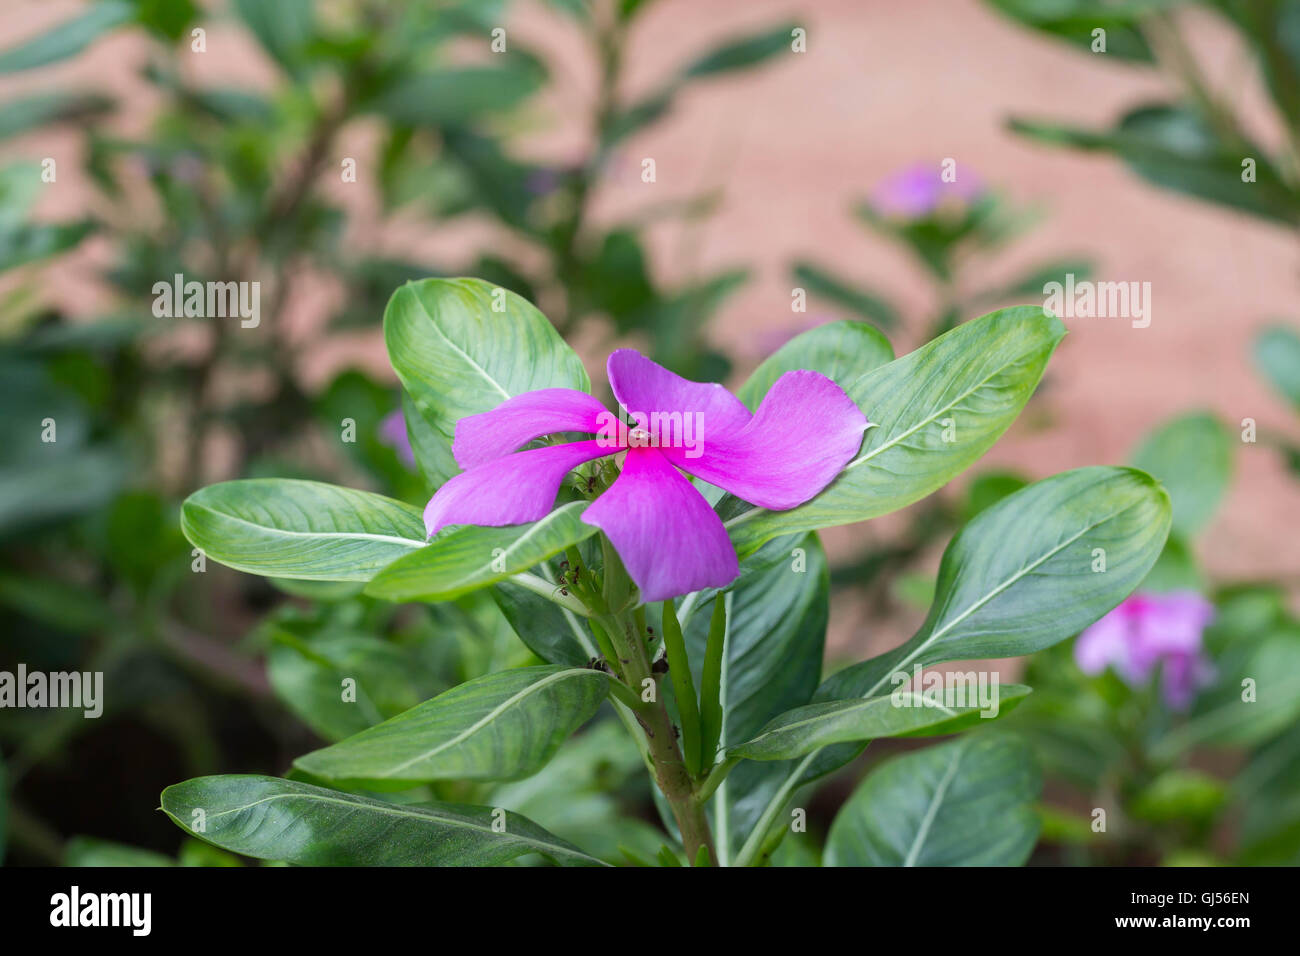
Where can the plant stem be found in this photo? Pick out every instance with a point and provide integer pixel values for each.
(671, 774)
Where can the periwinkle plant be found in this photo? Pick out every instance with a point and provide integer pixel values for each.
(697, 612)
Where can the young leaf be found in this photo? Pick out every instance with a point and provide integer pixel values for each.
(287, 528)
(1277, 353)
(805, 729)
(283, 820)
(967, 803)
(464, 559)
(68, 38)
(935, 412)
(1192, 457)
(463, 346)
(499, 727)
(842, 351)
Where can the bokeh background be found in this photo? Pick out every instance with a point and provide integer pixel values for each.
(760, 161)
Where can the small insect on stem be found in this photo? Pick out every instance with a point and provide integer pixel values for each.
(660, 666)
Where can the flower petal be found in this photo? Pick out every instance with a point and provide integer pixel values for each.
(670, 540)
(515, 489)
(516, 421)
(803, 434)
(644, 388)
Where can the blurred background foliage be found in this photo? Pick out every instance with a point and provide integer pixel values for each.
(212, 671)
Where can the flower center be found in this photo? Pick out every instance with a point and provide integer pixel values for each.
(638, 438)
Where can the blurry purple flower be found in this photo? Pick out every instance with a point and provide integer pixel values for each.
(1148, 631)
(542, 181)
(670, 539)
(392, 432)
(918, 191)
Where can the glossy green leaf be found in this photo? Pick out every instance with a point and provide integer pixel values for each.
(300, 529)
(1277, 353)
(935, 412)
(68, 38)
(464, 559)
(283, 820)
(1192, 457)
(900, 714)
(842, 351)
(457, 356)
(966, 803)
(1018, 578)
(553, 633)
(1027, 572)
(499, 727)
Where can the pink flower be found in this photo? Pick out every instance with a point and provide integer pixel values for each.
(1148, 631)
(917, 192)
(392, 432)
(670, 539)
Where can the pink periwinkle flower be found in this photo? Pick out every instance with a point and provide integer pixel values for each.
(1148, 631)
(919, 190)
(392, 432)
(669, 538)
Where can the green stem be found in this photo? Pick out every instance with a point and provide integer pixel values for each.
(670, 769)
(679, 671)
(711, 683)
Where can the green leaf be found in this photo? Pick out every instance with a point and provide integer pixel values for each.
(1074, 20)
(466, 558)
(284, 28)
(1256, 695)
(826, 286)
(291, 822)
(1018, 578)
(1023, 574)
(1277, 353)
(309, 675)
(553, 633)
(500, 727)
(1192, 457)
(288, 528)
(967, 385)
(457, 95)
(903, 713)
(456, 356)
(842, 351)
(68, 38)
(967, 803)
(91, 851)
(1172, 147)
(18, 116)
(742, 53)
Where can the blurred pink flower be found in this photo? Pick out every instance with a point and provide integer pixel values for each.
(919, 190)
(392, 432)
(1149, 631)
